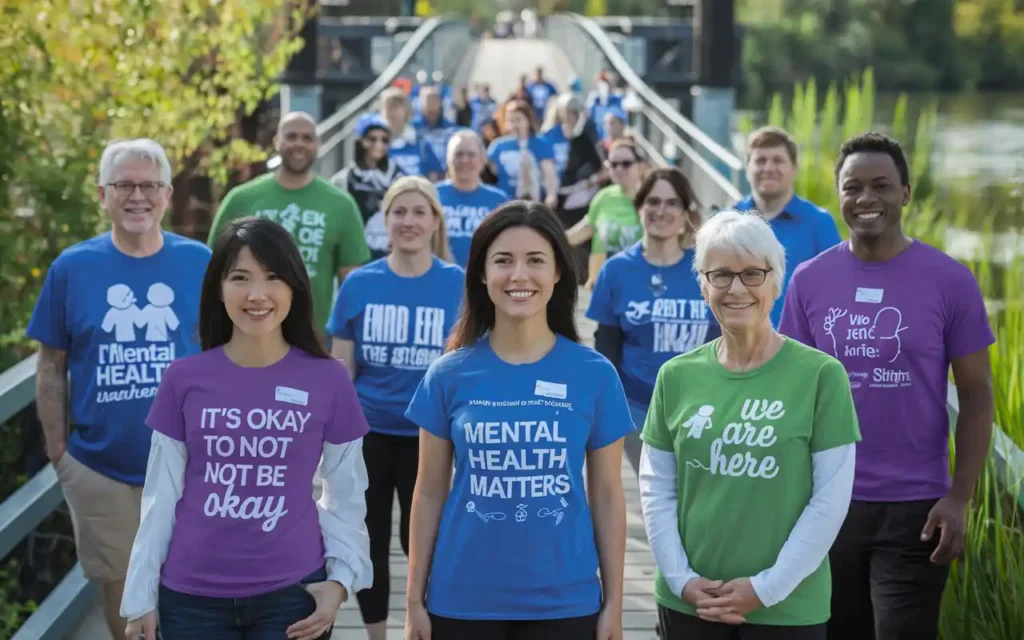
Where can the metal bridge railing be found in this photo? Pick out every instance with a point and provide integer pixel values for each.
(438, 44)
(657, 125)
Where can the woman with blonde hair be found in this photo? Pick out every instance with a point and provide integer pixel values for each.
(647, 305)
(390, 322)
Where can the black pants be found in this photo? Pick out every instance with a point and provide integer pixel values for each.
(391, 463)
(584, 628)
(884, 586)
(673, 625)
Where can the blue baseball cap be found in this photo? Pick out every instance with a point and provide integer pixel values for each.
(370, 121)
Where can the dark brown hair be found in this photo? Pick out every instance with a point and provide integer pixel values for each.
(768, 137)
(681, 185)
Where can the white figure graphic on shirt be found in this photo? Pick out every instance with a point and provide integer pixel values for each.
(887, 326)
(557, 514)
(157, 316)
(123, 315)
(699, 422)
(486, 517)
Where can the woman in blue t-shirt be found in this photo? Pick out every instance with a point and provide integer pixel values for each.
(647, 304)
(509, 547)
(524, 161)
(465, 199)
(391, 320)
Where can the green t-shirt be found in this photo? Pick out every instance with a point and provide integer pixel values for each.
(743, 443)
(324, 221)
(616, 224)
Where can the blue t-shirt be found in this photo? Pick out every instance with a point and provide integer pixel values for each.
(660, 311)
(463, 212)
(504, 153)
(516, 539)
(805, 230)
(436, 136)
(599, 108)
(399, 326)
(540, 93)
(482, 110)
(559, 148)
(122, 320)
(414, 159)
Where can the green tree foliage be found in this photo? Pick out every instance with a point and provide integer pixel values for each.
(74, 75)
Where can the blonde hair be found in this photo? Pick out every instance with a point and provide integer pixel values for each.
(415, 184)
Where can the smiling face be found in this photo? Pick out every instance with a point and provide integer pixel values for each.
(871, 197)
(520, 273)
(257, 301)
(739, 306)
(375, 144)
(411, 223)
(140, 210)
(297, 143)
(623, 167)
(662, 212)
(771, 171)
(467, 160)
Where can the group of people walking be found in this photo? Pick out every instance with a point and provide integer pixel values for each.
(240, 436)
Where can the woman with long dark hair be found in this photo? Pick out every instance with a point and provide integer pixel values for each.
(390, 322)
(509, 546)
(647, 304)
(240, 433)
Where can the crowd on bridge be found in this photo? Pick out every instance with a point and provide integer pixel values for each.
(242, 412)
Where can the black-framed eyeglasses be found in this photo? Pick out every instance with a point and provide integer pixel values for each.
(722, 278)
(126, 189)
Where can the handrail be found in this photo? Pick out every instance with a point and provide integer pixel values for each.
(330, 127)
(624, 71)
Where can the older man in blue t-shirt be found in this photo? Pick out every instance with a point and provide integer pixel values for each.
(114, 311)
(803, 228)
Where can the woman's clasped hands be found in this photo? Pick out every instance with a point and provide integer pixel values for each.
(718, 601)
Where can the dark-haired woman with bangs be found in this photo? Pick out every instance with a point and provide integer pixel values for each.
(510, 546)
(231, 544)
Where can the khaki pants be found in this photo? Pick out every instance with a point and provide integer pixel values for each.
(105, 516)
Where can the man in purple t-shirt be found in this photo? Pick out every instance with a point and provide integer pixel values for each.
(897, 313)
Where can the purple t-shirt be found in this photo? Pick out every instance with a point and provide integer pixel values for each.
(246, 523)
(895, 326)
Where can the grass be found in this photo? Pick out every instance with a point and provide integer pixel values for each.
(985, 592)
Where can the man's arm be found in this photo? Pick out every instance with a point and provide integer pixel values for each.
(972, 374)
(52, 399)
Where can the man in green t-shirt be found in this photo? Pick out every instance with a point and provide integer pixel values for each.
(324, 221)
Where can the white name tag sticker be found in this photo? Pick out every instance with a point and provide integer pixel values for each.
(550, 390)
(293, 396)
(869, 295)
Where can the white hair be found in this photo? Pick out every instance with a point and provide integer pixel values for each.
(457, 138)
(119, 151)
(740, 233)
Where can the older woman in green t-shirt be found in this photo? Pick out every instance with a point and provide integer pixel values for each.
(748, 457)
(612, 223)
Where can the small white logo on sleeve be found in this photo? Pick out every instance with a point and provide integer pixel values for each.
(550, 390)
(869, 295)
(293, 396)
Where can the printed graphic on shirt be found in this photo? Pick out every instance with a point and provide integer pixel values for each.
(512, 162)
(129, 372)
(743, 447)
(680, 324)
(522, 465)
(260, 437)
(869, 345)
(615, 236)
(387, 329)
(462, 220)
(307, 226)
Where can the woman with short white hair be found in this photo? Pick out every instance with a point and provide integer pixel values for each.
(748, 457)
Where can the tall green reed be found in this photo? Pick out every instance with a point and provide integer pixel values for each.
(985, 592)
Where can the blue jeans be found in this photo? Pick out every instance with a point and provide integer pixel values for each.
(261, 617)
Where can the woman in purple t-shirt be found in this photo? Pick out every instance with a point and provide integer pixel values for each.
(231, 543)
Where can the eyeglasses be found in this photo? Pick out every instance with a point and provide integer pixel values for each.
(722, 279)
(126, 189)
(671, 204)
